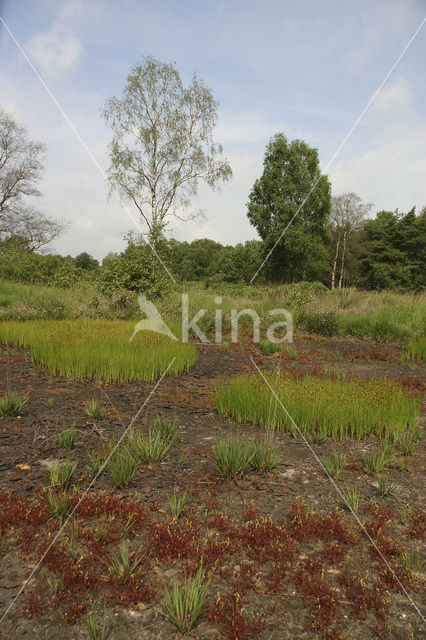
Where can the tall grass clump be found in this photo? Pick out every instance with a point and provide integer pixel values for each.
(336, 408)
(183, 603)
(12, 403)
(98, 349)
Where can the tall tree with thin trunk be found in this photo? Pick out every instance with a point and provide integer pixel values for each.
(163, 144)
(347, 214)
(21, 167)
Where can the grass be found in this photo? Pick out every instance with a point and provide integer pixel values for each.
(374, 463)
(417, 348)
(166, 427)
(67, 438)
(233, 455)
(386, 488)
(413, 561)
(183, 603)
(59, 504)
(335, 408)
(98, 349)
(154, 447)
(94, 409)
(334, 463)
(267, 347)
(12, 403)
(125, 564)
(61, 473)
(177, 503)
(95, 632)
(351, 496)
(408, 441)
(121, 467)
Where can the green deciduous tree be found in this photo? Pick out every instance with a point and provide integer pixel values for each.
(290, 171)
(163, 144)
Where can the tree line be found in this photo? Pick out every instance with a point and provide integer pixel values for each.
(161, 149)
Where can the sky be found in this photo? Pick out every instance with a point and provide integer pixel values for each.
(304, 68)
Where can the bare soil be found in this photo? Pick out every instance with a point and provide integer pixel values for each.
(298, 589)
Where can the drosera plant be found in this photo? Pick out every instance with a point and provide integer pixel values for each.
(184, 602)
(334, 463)
(67, 438)
(61, 473)
(94, 409)
(352, 497)
(177, 502)
(12, 403)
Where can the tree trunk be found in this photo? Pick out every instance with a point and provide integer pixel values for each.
(342, 265)
(334, 269)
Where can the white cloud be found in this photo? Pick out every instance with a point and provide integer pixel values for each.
(54, 52)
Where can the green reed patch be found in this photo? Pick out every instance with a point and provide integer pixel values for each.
(98, 349)
(336, 408)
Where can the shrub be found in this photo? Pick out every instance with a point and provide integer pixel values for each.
(324, 323)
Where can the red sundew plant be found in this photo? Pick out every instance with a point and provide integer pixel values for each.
(250, 512)
(417, 524)
(128, 591)
(308, 578)
(129, 512)
(220, 522)
(235, 623)
(328, 527)
(380, 518)
(266, 540)
(173, 539)
(364, 596)
(210, 553)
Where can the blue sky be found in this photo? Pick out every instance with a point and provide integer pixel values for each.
(306, 68)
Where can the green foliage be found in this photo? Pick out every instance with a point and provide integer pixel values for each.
(413, 561)
(121, 467)
(337, 408)
(61, 473)
(417, 348)
(183, 603)
(232, 455)
(386, 488)
(95, 632)
(125, 564)
(324, 323)
(155, 447)
(12, 403)
(264, 455)
(59, 504)
(98, 349)
(166, 427)
(67, 438)
(94, 409)
(374, 463)
(395, 251)
(290, 170)
(134, 269)
(352, 497)
(267, 347)
(177, 502)
(334, 463)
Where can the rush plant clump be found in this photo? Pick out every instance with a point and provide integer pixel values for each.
(98, 349)
(337, 408)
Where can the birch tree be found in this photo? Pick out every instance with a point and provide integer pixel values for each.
(162, 144)
(347, 213)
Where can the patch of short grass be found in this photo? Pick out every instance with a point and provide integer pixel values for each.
(67, 438)
(12, 403)
(335, 408)
(61, 473)
(334, 463)
(153, 447)
(98, 349)
(267, 347)
(121, 467)
(94, 409)
(232, 455)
